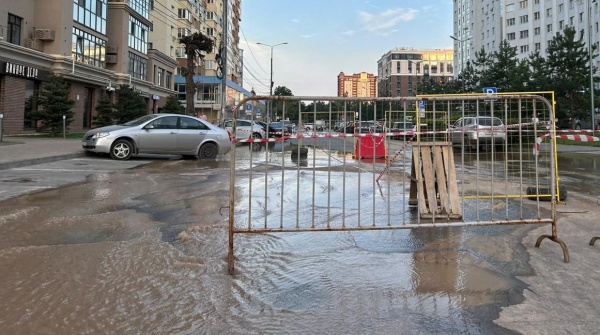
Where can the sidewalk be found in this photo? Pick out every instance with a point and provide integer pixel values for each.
(23, 151)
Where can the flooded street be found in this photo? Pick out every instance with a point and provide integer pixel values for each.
(144, 251)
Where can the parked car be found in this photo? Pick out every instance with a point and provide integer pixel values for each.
(361, 127)
(569, 122)
(282, 128)
(159, 134)
(402, 126)
(245, 129)
(474, 131)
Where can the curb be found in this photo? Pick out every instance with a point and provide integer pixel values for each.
(34, 161)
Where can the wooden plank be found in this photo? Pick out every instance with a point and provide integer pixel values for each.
(412, 196)
(453, 184)
(440, 174)
(429, 178)
(423, 208)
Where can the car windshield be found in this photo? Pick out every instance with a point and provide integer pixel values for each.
(140, 120)
(404, 125)
(276, 124)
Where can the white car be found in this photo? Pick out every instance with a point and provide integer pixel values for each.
(245, 129)
(474, 131)
(159, 134)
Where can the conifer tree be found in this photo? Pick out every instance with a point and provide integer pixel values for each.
(105, 112)
(53, 105)
(130, 105)
(172, 105)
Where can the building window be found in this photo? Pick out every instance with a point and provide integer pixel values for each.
(14, 29)
(88, 48)
(523, 4)
(138, 66)
(168, 77)
(524, 48)
(180, 89)
(549, 12)
(180, 52)
(536, 15)
(524, 18)
(140, 6)
(536, 30)
(538, 46)
(183, 13)
(561, 24)
(524, 33)
(549, 28)
(561, 8)
(90, 13)
(160, 75)
(138, 35)
(181, 32)
(510, 22)
(510, 36)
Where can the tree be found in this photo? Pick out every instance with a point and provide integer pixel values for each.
(130, 105)
(291, 108)
(506, 72)
(104, 112)
(172, 105)
(194, 45)
(568, 60)
(53, 105)
(540, 73)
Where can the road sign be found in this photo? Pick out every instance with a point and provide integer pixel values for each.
(248, 107)
(491, 91)
(422, 105)
(258, 111)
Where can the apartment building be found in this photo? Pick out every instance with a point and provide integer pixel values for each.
(209, 18)
(94, 44)
(528, 25)
(357, 85)
(401, 71)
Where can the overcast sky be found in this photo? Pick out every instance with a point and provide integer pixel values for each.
(326, 37)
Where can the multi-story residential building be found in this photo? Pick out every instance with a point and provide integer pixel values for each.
(357, 85)
(528, 25)
(94, 44)
(209, 19)
(401, 71)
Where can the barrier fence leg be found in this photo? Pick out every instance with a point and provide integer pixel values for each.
(593, 240)
(554, 238)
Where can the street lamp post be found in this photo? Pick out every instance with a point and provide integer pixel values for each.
(462, 54)
(416, 63)
(591, 64)
(271, 83)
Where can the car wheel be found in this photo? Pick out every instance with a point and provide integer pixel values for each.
(256, 136)
(208, 151)
(121, 150)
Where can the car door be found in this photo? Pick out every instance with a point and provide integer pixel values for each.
(159, 136)
(191, 133)
(456, 131)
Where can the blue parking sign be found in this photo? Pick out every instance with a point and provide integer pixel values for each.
(422, 105)
(248, 107)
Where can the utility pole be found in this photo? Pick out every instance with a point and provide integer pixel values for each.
(271, 83)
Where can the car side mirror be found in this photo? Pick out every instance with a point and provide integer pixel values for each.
(150, 126)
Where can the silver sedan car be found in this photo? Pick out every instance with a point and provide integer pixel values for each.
(159, 134)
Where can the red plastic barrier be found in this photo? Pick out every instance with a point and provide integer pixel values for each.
(370, 146)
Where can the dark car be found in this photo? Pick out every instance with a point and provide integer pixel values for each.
(362, 127)
(402, 127)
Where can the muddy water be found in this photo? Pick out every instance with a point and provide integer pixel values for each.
(144, 252)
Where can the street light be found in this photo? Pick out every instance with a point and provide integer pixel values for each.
(416, 74)
(271, 83)
(591, 64)
(462, 54)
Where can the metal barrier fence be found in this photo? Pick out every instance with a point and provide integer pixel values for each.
(397, 163)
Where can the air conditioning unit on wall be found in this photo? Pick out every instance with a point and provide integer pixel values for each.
(111, 59)
(34, 44)
(44, 34)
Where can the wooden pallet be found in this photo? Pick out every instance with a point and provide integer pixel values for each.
(433, 186)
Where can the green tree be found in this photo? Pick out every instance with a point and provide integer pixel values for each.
(483, 61)
(104, 112)
(194, 46)
(172, 105)
(568, 60)
(506, 72)
(540, 78)
(291, 107)
(130, 105)
(53, 105)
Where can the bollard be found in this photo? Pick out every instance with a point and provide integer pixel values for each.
(64, 127)
(1, 125)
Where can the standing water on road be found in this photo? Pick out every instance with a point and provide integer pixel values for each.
(144, 252)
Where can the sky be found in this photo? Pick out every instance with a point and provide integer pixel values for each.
(326, 37)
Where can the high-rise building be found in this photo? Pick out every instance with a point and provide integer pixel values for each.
(357, 85)
(401, 71)
(95, 45)
(527, 25)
